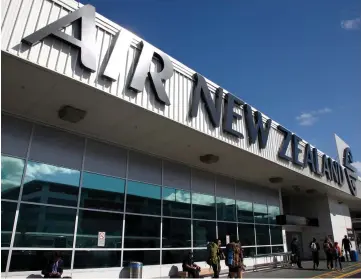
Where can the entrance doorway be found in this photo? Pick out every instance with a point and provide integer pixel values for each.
(290, 236)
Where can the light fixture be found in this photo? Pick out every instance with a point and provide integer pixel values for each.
(275, 179)
(296, 188)
(209, 159)
(71, 114)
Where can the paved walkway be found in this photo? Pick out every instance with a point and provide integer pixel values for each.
(350, 269)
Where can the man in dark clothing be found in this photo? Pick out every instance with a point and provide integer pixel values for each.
(296, 252)
(315, 248)
(54, 269)
(190, 267)
(346, 244)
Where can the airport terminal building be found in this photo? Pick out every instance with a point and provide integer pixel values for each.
(112, 151)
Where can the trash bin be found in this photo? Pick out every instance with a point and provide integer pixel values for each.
(135, 269)
(354, 256)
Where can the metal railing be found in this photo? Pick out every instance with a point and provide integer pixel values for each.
(271, 260)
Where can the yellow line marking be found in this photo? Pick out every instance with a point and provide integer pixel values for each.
(349, 273)
(335, 271)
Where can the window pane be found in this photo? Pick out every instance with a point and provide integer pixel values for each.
(146, 257)
(203, 206)
(92, 222)
(260, 213)
(246, 234)
(45, 226)
(203, 233)
(245, 212)
(200, 255)
(102, 192)
(4, 259)
(273, 211)
(176, 203)
(277, 249)
(226, 209)
(225, 229)
(142, 232)
(35, 260)
(276, 235)
(11, 173)
(263, 250)
(96, 259)
(174, 256)
(176, 233)
(249, 252)
(143, 198)
(262, 235)
(51, 185)
(8, 210)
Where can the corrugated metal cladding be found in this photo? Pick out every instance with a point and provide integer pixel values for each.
(22, 17)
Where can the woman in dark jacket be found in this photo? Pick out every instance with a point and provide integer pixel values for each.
(327, 247)
(54, 268)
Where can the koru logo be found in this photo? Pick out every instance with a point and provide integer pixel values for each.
(350, 170)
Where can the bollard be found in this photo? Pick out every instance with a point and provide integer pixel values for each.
(135, 269)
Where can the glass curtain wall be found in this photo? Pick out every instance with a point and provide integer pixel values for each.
(65, 209)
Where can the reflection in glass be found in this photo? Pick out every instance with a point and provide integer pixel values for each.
(50, 184)
(143, 198)
(176, 233)
(276, 235)
(246, 234)
(146, 257)
(90, 223)
(263, 250)
(96, 259)
(33, 260)
(45, 226)
(203, 206)
(203, 233)
(277, 249)
(142, 232)
(225, 229)
(260, 213)
(4, 259)
(102, 192)
(8, 210)
(226, 209)
(245, 211)
(174, 256)
(176, 203)
(11, 173)
(262, 235)
(273, 211)
(249, 252)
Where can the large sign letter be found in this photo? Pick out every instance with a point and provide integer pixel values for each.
(255, 128)
(213, 108)
(87, 34)
(350, 170)
(230, 115)
(156, 78)
(118, 56)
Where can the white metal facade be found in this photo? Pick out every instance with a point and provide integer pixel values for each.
(22, 17)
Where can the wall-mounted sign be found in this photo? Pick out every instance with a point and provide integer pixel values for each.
(227, 239)
(256, 130)
(101, 239)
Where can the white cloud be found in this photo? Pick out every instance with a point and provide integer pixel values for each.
(310, 118)
(357, 165)
(34, 171)
(351, 24)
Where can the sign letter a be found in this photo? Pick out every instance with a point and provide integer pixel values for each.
(87, 34)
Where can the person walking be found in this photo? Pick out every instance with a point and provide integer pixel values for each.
(215, 255)
(346, 245)
(296, 252)
(190, 267)
(327, 248)
(315, 248)
(337, 255)
(234, 259)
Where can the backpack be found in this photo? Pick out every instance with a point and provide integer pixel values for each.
(212, 250)
(314, 247)
(233, 255)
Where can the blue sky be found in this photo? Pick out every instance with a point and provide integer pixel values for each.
(298, 62)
